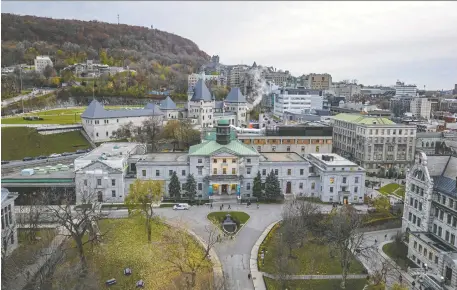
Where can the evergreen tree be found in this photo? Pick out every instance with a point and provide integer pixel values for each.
(191, 186)
(257, 187)
(174, 188)
(269, 185)
(276, 187)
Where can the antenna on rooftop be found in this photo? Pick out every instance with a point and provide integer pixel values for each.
(118, 19)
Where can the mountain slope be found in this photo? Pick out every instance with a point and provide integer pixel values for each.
(67, 41)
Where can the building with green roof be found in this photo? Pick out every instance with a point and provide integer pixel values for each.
(374, 143)
(224, 168)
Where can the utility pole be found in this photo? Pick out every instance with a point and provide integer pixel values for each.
(118, 19)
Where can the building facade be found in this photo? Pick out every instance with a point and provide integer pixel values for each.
(101, 124)
(430, 216)
(225, 167)
(9, 225)
(340, 180)
(374, 142)
(297, 100)
(303, 140)
(317, 81)
(421, 108)
(41, 62)
(402, 90)
(104, 172)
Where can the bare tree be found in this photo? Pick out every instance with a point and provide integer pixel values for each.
(291, 229)
(79, 221)
(283, 265)
(344, 235)
(184, 252)
(149, 132)
(31, 215)
(126, 131)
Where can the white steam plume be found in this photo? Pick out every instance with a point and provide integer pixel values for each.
(259, 86)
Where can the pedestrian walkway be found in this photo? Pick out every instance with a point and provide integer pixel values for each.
(316, 277)
(407, 278)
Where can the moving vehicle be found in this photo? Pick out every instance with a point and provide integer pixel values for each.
(67, 153)
(80, 151)
(28, 159)
(181, 206)
(42, 157)
(5, 162)
(54, 155)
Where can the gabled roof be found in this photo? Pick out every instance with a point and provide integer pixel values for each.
(154, 108)
(235, 96)
(167, 104)
(201, 92)
(106, 166)
(95, 110)
(210, 147)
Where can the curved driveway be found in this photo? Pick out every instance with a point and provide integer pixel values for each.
(234, 254)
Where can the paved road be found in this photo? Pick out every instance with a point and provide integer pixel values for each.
(26, 97)
(374, 262)
(233, 254)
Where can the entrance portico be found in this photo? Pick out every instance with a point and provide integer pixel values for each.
(225, 188)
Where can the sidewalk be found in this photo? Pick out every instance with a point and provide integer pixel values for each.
(317, 277)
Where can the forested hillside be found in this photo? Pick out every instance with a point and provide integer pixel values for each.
(161, 58)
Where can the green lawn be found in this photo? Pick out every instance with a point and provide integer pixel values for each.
(125, 244)
(351, 284)
(19, 142)
(57, 116)
(389, 188)
(311, 259)
(398, 253)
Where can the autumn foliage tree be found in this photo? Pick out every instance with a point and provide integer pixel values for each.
(142, 196)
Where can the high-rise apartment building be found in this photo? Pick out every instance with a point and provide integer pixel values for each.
(405, 90)
(421, 108)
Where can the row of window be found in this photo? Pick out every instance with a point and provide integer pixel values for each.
(96, 122)
(99, 182)
(448, 237)
(416, 220)
(451, 203)
(424, 252)
(450, 219)
(416, 189)
(414, 202)
(7, 217)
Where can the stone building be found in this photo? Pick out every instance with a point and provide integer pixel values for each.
(430, 217)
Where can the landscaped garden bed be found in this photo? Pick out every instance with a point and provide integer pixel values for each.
(239, 217)
(398, 252)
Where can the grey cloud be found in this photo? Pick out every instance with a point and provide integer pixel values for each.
(346, 39)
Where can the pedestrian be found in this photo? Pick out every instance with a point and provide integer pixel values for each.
(385, 237)
(249, 276)
(375, 241)
(211, 205)
(229, 207)
(222, 206)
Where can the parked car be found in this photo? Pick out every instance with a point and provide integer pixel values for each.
(28, 159)
(67, 153)
(5, 162)
(42, 157)
(54, 155)
(80, 151)
(181, 206)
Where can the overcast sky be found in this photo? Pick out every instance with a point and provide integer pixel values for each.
(374, 42)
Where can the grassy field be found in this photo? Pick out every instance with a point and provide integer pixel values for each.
(125, 245)
(311, 259)
(398, 252)
(389, 188)
(57, 116)
(20, 142)
(352, 284)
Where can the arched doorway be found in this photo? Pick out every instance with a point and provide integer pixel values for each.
(288, 187)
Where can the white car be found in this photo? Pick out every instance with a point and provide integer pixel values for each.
(54, 155)
(181, 206)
